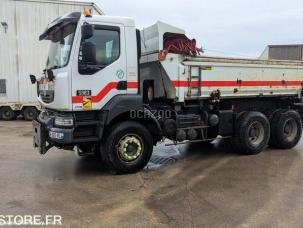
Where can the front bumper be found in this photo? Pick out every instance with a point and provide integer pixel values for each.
(46, 135)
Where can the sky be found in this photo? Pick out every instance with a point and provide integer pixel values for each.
(222, 27)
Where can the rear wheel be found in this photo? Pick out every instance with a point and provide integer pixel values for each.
(30, 113)
(127, 147)
(252, 133)
(286, 129)
(7, 113)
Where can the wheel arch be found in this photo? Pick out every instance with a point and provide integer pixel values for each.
(28, 106)
(124, 108)
(151, 124)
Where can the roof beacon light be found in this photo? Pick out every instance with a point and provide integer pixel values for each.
(86, 13)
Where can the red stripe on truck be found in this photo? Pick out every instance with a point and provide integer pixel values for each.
(237, 84)
(110, 86)
(134, 85)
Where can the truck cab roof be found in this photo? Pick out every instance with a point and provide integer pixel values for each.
(77, 16)
(126, 21)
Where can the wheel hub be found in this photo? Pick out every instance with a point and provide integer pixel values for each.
(290, 129)
(130, 148)
(256, 133)
(287, 129)
(253, 132)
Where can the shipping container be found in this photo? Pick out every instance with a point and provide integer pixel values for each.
(21, 53)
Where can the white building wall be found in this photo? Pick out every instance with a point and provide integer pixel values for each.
(21, 52)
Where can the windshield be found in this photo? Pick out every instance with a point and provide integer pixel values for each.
(61, 44)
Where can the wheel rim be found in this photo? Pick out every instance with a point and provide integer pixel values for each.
(7, 114)
(130, 147)
(30, 114)
(256, 133)
(290, 129)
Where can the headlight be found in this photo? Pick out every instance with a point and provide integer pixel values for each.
(64, 121)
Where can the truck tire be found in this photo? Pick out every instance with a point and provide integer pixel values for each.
(286, 128)
(30, 113)
(252, 133)
(7, 114)
(127, 147)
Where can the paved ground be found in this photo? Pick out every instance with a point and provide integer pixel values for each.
(208, 187)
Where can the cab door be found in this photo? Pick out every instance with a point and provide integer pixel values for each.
(94, 85)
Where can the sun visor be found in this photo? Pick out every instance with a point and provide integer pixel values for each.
(59, 22)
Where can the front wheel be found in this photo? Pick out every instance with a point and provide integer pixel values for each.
(127, 147)
(286, 129)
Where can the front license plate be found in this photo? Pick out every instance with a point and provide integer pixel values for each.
(56, 135)
(46, 87)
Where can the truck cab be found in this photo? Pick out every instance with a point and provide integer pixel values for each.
(89, 57)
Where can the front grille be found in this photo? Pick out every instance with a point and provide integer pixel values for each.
(86, 116)
(47, 96)
(85, 131)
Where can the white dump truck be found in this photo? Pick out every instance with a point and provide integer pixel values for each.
(21, 22)
(112, 90)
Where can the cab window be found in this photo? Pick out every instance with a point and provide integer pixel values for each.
(107, 43)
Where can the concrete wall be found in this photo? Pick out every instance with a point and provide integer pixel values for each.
(283, 52)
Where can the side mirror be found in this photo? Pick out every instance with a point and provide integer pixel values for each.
(87, 31)
(33, 79)
(89, 53)
(50, 75)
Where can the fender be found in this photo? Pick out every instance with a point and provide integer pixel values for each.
(155, 120)
(120, 104)
(126, 103)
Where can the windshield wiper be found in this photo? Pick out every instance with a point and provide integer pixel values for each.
(54, 67)
(51, 68)
(92, 67)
